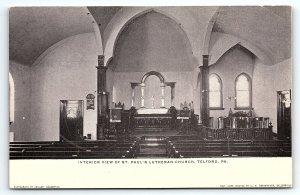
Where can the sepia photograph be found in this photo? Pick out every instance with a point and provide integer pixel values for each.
(142, 85)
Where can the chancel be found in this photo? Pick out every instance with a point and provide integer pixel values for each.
(149, 82)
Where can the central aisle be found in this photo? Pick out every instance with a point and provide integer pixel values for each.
(152, 147)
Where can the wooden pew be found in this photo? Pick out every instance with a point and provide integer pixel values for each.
(218, 148)
(74, 150)
(207, 154)
(230, 150)
(69, 155)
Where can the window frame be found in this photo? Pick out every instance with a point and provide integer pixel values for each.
(221, 92)
(250, 92)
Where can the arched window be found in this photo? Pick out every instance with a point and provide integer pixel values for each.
(11, 99)
(215, 92)
(243, 92)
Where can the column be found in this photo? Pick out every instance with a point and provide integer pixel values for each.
(142, 95)
(102, 98)
(162, 95)
(204, 91)
(172, 94)
(172, 86)
(133, 85)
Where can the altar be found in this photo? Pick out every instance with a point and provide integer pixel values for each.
(152, 111)
(154, 116)
(152, 119)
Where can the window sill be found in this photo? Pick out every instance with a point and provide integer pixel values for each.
(216, 108)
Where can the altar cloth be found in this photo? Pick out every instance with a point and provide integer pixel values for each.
(152, 111)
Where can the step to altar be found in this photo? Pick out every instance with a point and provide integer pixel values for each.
(151, 155)
(152, 147)
(153, 138)
(141, 134)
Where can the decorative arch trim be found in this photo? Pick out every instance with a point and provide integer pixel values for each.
(155, 73)
(245, 74)
(217, 76)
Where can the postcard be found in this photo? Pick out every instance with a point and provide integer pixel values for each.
(150, 97)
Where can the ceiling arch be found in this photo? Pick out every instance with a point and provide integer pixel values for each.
(97, 33)
(208, 33)
(127, 14)
(260, 27)
(152, 40)
(221, 43)
(265, 31)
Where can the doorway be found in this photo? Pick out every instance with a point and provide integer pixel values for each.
(284, 114)
(71, 120)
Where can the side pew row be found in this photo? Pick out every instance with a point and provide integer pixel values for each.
(74, 150)
(195, 148)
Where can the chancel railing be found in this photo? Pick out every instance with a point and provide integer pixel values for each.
(237, 122)
(239, 126)
(150, 119)
(237, 134)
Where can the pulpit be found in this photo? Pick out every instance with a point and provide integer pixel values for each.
(115, 121)
(185, 116)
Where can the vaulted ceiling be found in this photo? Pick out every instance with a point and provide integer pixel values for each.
(32, 30)
(267, 28)
(153, 42)
(103, 15)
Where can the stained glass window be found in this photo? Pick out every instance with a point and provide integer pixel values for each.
(215, 91)
(243, 91)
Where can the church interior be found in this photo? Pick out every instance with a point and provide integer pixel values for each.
(149, 82)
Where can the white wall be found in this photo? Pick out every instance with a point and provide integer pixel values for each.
(67, 72)
(110, 84)
(141, 48)
(153, 42)
(267, 80)
(21, 124)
